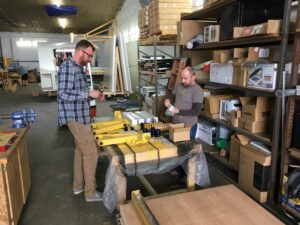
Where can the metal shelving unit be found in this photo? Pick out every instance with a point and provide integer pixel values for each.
(273, 140)
(154, 73)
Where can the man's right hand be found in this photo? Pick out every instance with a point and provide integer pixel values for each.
(94, 93)
(167, 102)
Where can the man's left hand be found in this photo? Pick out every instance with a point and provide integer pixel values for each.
(175, 110)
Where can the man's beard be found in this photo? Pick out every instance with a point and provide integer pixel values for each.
(186, 85)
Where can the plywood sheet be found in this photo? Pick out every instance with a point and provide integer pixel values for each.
(220, 205)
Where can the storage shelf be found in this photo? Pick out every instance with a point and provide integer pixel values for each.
(151, 73)
(158, 43)
(264, 39)
(211, 12)
(262, 137)
(253, 91)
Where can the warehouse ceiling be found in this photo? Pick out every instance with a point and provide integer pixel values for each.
(31, 15)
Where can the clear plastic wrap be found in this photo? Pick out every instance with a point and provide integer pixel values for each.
(191, 157)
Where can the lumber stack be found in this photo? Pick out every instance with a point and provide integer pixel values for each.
(143, 23)
(164, 15)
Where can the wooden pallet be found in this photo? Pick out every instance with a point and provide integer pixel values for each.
(160, 39)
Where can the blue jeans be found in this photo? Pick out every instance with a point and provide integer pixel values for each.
(193, 131)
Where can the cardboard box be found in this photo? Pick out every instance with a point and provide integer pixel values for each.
(270, 27)
(221, 73)
(187, 29)
(201, 75)
(259, 53)
(254, 167)
(236, 141)
(233, 117)
(239, 61)
(253, 126)
(256, 108)
(262, 76)
(240, 76)
(237, 32)
(212, 103)
(222, 56)
(239, 53)
(178, 132)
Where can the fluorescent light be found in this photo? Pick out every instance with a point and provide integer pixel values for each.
(72, 36)
(57, 3)
(62, 22)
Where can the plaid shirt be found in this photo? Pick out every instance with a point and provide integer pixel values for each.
(73, 100)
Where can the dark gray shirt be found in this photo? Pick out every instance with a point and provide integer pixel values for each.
(184, 100)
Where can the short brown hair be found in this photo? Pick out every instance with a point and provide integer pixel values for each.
(190, 70)
(84, 44)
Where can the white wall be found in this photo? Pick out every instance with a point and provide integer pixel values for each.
(127, 22)
(27, 56)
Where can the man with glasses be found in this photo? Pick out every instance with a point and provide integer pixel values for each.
(73, 99)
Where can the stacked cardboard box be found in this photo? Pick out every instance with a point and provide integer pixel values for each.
(254, 167)
(212, 104)
(255, 113)
(236, 141)
(164, 15)
(188, 29)
(143, 22)
(178, 132)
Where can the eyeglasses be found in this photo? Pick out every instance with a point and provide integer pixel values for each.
(89, 55)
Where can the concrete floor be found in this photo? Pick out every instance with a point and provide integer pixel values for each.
(51, 201)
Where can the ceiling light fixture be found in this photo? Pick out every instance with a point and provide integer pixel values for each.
(58, 3)
(62, 22)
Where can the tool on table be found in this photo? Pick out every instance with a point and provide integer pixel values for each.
(21, 118)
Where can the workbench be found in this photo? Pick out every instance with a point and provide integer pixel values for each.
(123, 165)
(14, 178)
(226, 205)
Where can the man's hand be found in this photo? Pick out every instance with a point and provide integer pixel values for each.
(97, 95)
(167, 102)
(175, 111)
(101, 96)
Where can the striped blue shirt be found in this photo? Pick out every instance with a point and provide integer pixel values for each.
(73, 100)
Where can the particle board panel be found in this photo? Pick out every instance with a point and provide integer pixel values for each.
(213, 206)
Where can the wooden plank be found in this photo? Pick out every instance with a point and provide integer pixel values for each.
(14, 183)
(147, 185)
(119, 70)
(24, 168)
(225, 205)
(5, 212)
(129, 216)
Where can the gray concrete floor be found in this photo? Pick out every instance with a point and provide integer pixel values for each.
(51, 201)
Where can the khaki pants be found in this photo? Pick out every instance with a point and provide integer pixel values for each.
(85, 158)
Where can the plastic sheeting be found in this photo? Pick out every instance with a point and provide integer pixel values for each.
(116, 182)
